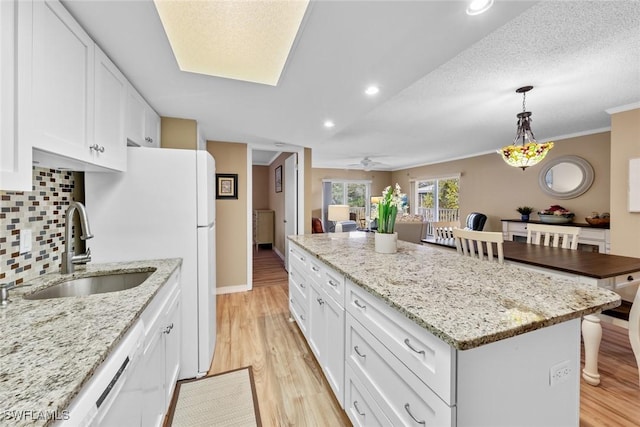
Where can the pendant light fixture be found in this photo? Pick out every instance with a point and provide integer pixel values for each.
(530, 152)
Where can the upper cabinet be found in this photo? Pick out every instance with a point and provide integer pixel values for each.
(109, 146)
(76, 109)
(15, 157)
(142, 124)
(57, 65)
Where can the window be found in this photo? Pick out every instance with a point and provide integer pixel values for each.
(437, 199)
(346, 192)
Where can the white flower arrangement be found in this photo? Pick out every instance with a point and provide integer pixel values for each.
(388, 209)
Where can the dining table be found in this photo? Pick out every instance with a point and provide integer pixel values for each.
(614, 272)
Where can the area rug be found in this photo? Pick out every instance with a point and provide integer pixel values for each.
(227, 399)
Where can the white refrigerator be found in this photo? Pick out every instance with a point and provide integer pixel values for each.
(163, 207)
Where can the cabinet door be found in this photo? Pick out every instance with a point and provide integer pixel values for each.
(333, 357)
(135, 117)
(109, 146)
(316, 326)
(15, 157)
(59, 56)
(153, 399)
(172, 337)
(152, 128)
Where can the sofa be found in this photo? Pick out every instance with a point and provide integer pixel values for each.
(411, 228)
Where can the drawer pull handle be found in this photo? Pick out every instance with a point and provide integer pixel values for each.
(630, 278)
(302, 258)
(332, 283)
(355, 348)
(408, 343)
(320, 301)
(355, 405)
(302, 285)
(406, 407)
(314, 268)
(357, 303)
(302, 317)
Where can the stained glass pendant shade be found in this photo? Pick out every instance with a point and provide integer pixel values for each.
(525, 150)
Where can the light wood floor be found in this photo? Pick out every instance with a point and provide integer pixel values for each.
(254, 329)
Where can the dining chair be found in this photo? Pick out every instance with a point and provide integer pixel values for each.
(444, 229)
(476, 243)
(634, 329)
(553, 235)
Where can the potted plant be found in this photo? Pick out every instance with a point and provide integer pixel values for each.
(386, 239)
(525, 211)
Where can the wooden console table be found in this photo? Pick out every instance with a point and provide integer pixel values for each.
(612, 272)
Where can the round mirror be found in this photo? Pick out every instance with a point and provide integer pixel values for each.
(566, 177)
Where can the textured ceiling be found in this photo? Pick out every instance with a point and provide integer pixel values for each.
(447, 80)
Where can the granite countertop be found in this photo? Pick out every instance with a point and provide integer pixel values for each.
(461, 300)
(50, 348)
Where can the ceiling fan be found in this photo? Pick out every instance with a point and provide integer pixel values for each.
(366, 163)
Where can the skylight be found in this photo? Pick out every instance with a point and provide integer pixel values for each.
(235, 39)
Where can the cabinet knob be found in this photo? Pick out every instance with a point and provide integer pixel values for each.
(98, 148)
(630, 278)
(320, 301)
(148, 139)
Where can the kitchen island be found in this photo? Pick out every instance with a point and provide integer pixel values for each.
(51, 348)
(501, 343)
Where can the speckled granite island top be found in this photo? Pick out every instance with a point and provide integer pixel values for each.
(50, 348)
(463, 301)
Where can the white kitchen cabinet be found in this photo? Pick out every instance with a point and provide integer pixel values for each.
(142, 122)
(161, 357)
(57, 63)
(109, 146)
(324, 325)
(15, 158)
(71, 97)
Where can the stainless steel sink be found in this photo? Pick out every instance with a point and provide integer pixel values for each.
(92, 285)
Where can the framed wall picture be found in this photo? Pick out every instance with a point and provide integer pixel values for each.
(279, 179)
(226, 186)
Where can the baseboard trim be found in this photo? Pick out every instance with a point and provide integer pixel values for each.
(278, 253)
(232, 289)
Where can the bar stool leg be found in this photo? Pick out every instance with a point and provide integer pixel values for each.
(592, 335)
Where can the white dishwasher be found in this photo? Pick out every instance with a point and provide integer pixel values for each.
(113, 396)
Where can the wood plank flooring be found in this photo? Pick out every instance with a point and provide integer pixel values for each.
(254, 329)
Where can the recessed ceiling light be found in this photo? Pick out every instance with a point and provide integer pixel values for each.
(329, 124)
(372, 90)
(479, 6)
(241, 40)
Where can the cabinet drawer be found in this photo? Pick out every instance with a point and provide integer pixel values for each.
(299, 312)
(298, 280)
(431, 359)
(334, 284)
(298, 257)
(361, 409)
(403, 398)
(316, 268)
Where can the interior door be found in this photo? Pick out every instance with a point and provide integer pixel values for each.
(290, 202)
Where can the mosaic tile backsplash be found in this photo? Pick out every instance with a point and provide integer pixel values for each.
(41, 211)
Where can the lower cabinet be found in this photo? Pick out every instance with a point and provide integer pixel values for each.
(319, 313)
(161, 360)
(326, 338)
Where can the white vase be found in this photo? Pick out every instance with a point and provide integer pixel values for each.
(386, 243)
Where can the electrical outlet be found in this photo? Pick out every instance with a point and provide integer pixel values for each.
(560, 373)
(25, 241)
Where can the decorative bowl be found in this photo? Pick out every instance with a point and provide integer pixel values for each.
(597, 222)
(554, 219)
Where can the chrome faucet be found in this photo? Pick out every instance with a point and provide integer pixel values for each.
(69, 259)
